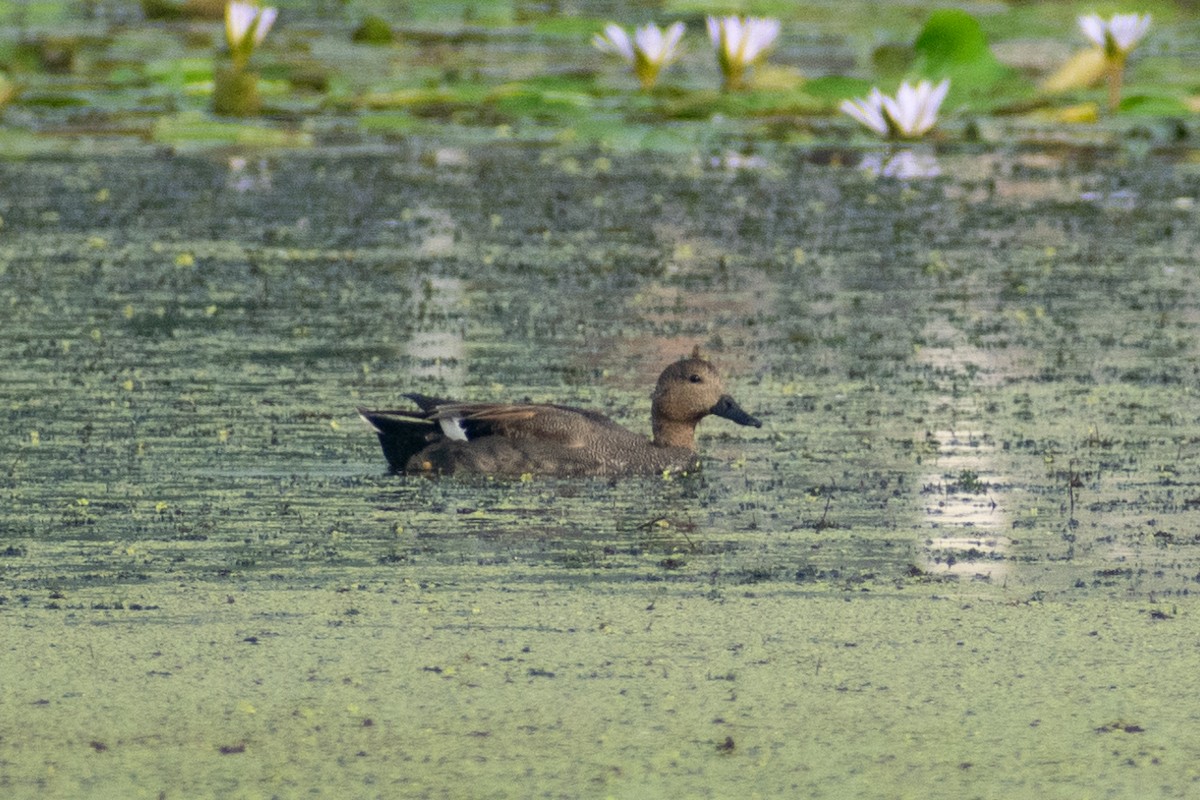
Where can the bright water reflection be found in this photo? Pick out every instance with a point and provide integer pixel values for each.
(904, 164)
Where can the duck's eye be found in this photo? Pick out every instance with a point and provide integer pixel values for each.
(694, 378)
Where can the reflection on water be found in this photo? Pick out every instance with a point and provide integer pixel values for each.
(246, 175)
(963, 505)
(1117, 200)
(439, 352)
(733, 160)
(966, 495)
(905, 164)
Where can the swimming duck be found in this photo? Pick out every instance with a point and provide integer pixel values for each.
(445, 436)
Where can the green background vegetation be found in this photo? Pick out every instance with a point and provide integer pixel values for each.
(528, 70)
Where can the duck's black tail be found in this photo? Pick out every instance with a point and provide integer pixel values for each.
(402, 434)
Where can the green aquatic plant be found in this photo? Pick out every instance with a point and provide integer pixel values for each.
(373, 30)
(235, 87)
(246, 25)
(953, 45)
(1116, 37)
(647, 52)
(7, 89)
(741, 43)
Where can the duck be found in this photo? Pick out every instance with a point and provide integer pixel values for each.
(447, 437)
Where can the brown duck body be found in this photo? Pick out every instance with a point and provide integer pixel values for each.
(446, 437)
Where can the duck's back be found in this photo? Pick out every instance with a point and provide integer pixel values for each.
(543, 440)
(517, 439)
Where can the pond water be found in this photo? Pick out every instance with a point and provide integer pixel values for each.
(958, 559)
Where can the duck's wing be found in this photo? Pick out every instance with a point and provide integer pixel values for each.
(571, 427)
(383, 419)
(427, 403)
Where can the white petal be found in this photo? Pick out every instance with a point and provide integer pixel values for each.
(903, 110)
(1093, 28)
(265, 20)
(760, 35)
(914, 111)
(714, 31)
(939, 93)
(674, 34)
(238, 19)
(924, 111)
(649, 40)
(734, 38)
(929, 107)
(1128, 29)
(620, 40)
(615, 40)
(895, 113)
(655, 45)
(867, 111)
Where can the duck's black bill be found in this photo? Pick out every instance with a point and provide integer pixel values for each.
(728, 408)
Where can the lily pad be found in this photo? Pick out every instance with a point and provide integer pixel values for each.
(1151, 104)
(540, 105)
(373, 30)
(1085, 68)
(833, 88)
(183, 9)
(952, 45)
(178, 71)
(195, 128)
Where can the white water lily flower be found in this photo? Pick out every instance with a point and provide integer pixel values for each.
(1116, 38)
(740, 43)
(914, 110)
(246, 26)
(1118, 35)
(650, 49)
(910, 114)
(615, 40)
(868, 111)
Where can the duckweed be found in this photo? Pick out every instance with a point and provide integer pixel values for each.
(958, 559)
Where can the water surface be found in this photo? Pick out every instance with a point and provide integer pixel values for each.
(957, 560)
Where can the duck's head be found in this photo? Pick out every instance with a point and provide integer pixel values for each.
(687, 392)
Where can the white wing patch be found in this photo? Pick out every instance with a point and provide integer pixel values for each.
(453, 428)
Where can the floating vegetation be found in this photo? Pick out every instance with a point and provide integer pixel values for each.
(458, 66)
(963, 538)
